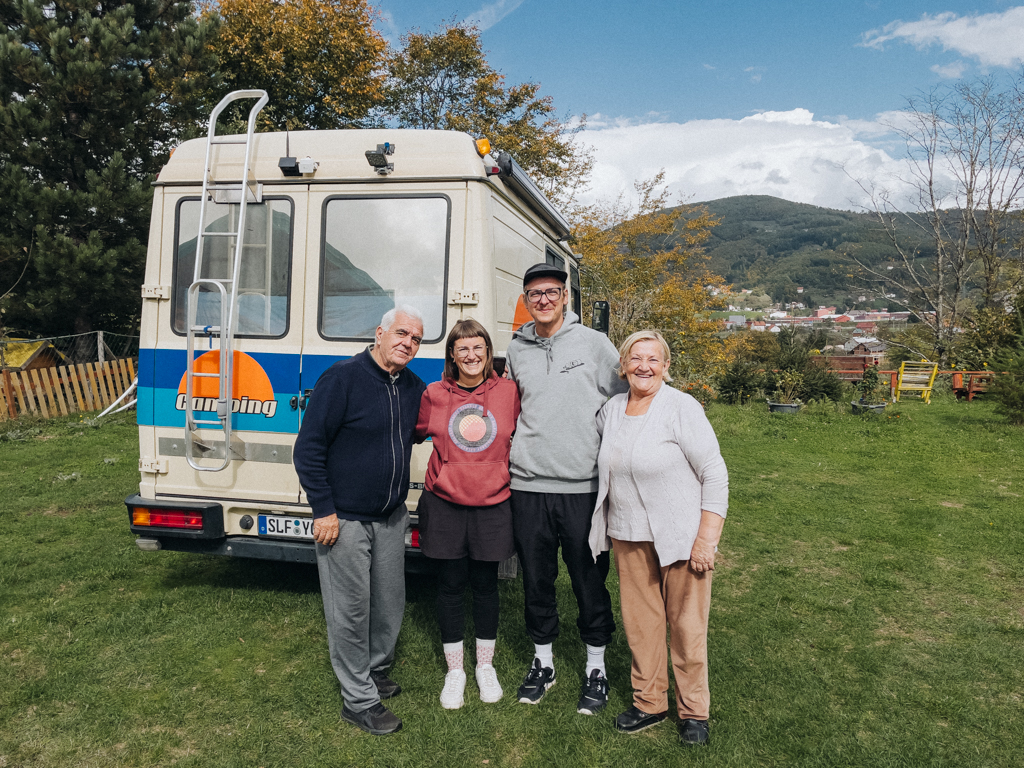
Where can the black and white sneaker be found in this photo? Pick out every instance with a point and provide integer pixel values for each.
(594, 694)
(538, 680)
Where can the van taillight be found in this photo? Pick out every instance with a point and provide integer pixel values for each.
(167, 518)
(415, 538)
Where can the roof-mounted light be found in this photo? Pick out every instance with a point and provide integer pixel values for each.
(378, 158)
(483, 147)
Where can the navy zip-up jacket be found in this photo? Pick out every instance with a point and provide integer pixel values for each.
(352, 452)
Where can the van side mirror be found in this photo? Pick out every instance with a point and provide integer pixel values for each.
(601, 320)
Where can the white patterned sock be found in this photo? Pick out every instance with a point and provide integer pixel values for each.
(453, 655)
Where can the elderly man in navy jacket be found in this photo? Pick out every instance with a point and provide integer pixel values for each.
(352, 457)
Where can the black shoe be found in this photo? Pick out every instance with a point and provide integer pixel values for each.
(594, 695)
(536, 684)
(634, 721)
(386, 687)
(693, 732)
(376, 720)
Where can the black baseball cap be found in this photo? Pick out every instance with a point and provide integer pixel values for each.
(544, 270)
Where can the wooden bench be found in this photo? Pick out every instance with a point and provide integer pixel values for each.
(977, 383)
(916, 379)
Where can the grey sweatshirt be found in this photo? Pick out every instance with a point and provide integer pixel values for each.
(563, 382)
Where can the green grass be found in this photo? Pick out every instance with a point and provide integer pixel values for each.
(867, 611)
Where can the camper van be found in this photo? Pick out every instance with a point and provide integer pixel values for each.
(272, 256)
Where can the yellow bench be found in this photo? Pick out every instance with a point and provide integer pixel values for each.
(916, 379)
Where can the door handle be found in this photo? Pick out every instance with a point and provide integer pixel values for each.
(304, 399)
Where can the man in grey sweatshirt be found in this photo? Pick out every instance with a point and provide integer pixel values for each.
(565, 373)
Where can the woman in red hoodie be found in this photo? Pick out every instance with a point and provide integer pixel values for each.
(465, 518)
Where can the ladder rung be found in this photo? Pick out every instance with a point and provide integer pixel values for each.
(205, 329)
(209, 375)
(226, 140)
(220, 234)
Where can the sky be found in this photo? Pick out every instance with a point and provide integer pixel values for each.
(791, 98)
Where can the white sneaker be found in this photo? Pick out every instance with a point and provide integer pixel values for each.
(454, 688)
(487, 682)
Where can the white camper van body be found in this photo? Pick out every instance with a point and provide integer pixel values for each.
(326, 254)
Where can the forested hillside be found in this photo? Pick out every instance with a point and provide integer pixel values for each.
(779, 246)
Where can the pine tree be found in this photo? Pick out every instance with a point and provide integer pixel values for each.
(93, 96)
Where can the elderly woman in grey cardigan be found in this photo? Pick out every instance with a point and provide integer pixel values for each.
(661, 503)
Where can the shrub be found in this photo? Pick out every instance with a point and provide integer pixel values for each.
(701, 390)
(820, 384)
(741, 381)
(870, 390)
(788, 386)
(1008, 388)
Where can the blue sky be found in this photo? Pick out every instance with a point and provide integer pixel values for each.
(787, 98)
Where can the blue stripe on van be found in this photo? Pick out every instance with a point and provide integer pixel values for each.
(169, 367)
(160, 372)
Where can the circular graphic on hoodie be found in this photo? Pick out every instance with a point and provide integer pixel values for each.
(470, 429)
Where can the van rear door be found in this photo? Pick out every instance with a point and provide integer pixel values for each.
(267, 348)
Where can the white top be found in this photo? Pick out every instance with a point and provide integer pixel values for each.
(684, 472)
(627, 516)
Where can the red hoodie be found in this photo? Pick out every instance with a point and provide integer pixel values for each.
(472, 435)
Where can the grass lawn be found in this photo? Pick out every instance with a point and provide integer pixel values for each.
(868, 610)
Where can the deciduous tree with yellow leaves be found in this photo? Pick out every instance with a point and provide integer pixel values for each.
(442, 81)
(321, 61)
(649, 264)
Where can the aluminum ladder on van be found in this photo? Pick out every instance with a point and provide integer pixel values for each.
(219, 192)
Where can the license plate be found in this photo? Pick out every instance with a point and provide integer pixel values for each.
(289, 527)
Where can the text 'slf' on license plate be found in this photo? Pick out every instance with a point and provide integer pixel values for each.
(289, 527)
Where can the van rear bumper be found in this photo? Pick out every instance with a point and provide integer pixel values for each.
(263, 549)
(243, 546)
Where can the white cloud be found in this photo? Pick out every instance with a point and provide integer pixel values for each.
(785, 154)
(953, 71)
(994, 39)
(388, 28)
(491, 14)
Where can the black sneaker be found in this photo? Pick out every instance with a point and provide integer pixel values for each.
(536, 684)
(634, 721)
(693, 732)
(594, 695)
(386, 687)
(376, 720)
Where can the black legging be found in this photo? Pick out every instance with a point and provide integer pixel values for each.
(482, 577)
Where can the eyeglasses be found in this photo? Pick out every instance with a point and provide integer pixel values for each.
(463, 352)
(553, 294)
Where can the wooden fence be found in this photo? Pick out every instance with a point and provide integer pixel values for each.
(59, 391)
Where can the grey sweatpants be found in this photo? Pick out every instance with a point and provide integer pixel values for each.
(362, 581)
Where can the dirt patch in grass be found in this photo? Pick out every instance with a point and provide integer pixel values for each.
(51, 512)
(953, 504)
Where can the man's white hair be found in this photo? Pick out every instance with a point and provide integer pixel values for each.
(403, 309)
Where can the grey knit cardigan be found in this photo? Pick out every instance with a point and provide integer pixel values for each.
(677, 437)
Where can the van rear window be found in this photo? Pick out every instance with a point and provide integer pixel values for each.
(382, 252)
(263, 286)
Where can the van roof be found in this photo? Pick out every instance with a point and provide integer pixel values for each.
(340, 153)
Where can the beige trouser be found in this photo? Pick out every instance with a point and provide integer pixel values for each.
(651, 596)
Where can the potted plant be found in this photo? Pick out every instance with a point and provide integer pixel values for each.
(787, 384)
(870, 393)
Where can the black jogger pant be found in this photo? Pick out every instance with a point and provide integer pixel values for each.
(482, 577)
(541, 522)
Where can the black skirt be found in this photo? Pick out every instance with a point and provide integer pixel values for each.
(451, 531)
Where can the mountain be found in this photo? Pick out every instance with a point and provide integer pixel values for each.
(775, 245)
